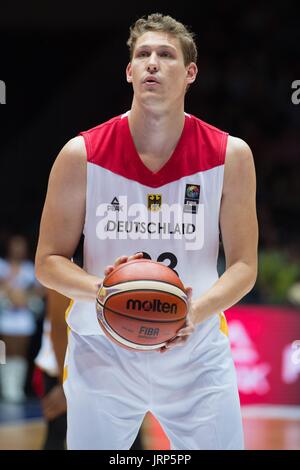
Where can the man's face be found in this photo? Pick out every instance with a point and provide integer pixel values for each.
(157, 71)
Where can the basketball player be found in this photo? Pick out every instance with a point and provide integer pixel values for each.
(108, 183)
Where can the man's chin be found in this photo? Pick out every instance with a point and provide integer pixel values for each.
(151, 99)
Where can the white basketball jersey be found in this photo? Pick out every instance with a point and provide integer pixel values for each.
(171, 215)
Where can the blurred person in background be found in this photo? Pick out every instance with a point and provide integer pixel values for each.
(20, 299)
(50, 361)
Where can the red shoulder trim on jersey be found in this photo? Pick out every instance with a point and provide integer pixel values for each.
(201, 147)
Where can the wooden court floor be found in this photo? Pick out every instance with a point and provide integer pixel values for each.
(260, 434)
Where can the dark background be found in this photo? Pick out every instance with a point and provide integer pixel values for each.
(64, 69)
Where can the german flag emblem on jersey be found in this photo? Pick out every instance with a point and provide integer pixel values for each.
(154, 202)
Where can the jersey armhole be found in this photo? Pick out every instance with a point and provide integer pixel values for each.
(223, 148)
(88, 145)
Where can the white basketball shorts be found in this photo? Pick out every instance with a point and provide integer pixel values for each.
(191, 390)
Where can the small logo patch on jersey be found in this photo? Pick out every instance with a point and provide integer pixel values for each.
(191, 198)
(154, 202)
(114, 205)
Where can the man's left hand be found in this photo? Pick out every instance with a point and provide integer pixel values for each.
(184, 333)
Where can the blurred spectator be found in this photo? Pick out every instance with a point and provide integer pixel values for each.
(50, 361)
(277, 273)
(20, 300)
(293, 294)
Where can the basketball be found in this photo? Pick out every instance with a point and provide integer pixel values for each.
(141, 305)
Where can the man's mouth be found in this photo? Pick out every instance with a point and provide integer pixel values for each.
(151, 81)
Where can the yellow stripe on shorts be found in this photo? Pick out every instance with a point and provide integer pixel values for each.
(65, 374)
(223, 324)
(69, 308)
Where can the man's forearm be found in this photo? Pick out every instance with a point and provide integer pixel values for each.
(231, 287)
(64, 276)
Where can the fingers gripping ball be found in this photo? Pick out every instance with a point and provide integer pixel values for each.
(141, 305)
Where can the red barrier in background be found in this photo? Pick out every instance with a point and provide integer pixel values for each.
(265, 343)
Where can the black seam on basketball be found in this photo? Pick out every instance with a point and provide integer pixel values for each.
(139, 319)
(144, 280)
(141, 260)
(140, 290)
(146, 290)
(132, 342)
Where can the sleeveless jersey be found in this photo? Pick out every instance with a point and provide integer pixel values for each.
(171, 215)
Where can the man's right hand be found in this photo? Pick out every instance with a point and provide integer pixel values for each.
(121, 260)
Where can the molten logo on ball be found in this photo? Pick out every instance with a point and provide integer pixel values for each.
(155, 306)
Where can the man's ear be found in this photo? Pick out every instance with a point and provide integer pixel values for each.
(128, 73)
(191, 72)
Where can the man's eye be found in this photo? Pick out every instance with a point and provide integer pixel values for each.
(165, 54)
(142, 54)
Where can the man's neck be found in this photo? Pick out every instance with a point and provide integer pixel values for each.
(155, 134)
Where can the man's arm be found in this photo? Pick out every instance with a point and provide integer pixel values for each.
(62, 224)
(239, 228)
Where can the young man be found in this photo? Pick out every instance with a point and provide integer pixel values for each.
(154, 182)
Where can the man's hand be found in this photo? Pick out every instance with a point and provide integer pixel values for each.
(121, 260)
(184, 333)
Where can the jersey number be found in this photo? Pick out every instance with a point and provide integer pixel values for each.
(165, 256)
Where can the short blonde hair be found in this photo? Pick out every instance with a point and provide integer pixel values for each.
(167, 24)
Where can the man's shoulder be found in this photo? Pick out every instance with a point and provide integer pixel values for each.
(237, 147)
(239, 163)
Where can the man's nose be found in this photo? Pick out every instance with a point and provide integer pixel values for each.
(152, 65)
